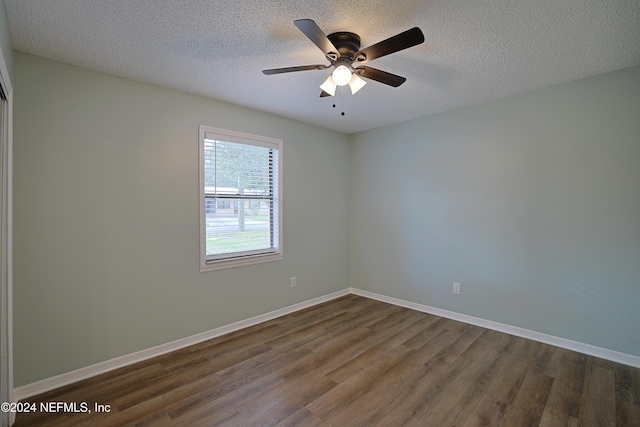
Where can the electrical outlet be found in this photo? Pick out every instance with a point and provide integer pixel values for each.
(456, 288)
(293, 282)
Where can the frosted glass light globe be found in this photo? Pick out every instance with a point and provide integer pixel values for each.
(341, 75)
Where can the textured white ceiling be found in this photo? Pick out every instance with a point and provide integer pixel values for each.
(475, 50)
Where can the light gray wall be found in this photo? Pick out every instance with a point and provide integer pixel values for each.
(106, 218)
(531, 202)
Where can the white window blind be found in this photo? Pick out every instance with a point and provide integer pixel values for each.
(240, 198)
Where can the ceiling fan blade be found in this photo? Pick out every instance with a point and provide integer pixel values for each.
(292, 69)
(380, 76)
(315, 34)
(324, 94)
(393, 44)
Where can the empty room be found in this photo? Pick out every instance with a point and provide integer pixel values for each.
(344, 213)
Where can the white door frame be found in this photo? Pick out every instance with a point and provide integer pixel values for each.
(6, 301)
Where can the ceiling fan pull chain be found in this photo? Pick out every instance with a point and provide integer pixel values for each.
(341, 100)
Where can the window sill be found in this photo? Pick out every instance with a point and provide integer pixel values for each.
(239, 262)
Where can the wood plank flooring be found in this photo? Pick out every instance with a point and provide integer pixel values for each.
(358, 362)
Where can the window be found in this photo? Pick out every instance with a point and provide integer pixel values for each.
(240, 199)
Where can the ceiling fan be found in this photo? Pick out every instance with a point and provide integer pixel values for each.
(342, 49)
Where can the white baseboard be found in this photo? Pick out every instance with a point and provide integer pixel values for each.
(139, 356)
(52, 383)
(591, 350)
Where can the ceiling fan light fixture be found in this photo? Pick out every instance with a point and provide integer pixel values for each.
(342, 49)
(341, 75)
(356, 83)
(329, 86)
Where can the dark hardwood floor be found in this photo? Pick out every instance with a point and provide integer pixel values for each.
(358, 362)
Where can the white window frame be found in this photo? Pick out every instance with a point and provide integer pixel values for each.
(231, 261)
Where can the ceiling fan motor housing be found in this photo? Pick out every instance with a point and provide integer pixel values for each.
(347, 43)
